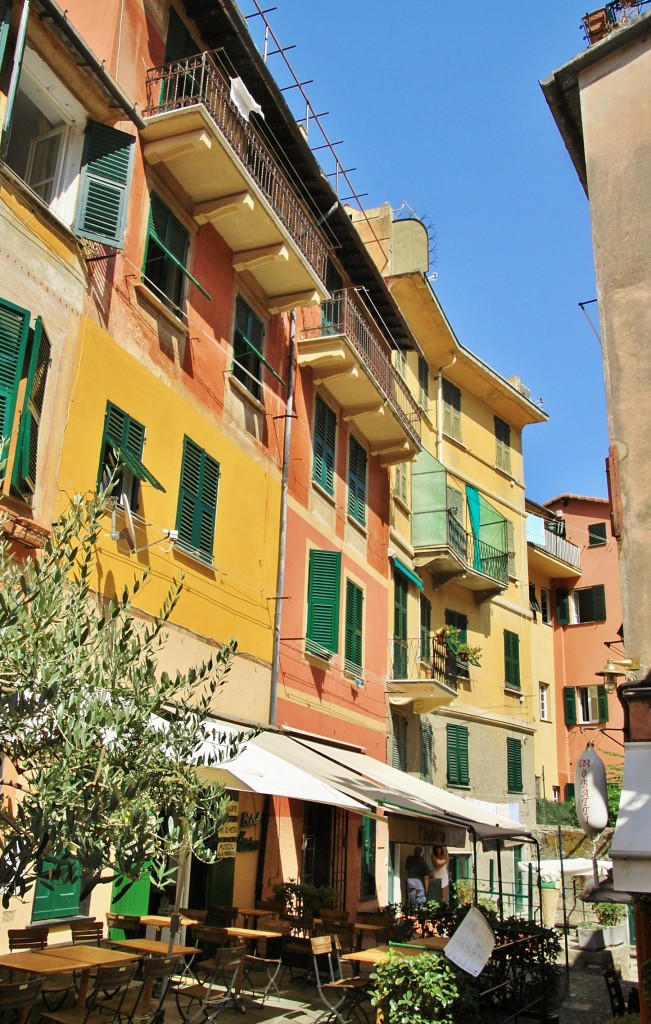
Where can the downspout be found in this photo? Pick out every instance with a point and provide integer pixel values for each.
(19, 50)
(282, 546)
(439, 410)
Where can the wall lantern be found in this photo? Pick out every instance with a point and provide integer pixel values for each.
(615, 669)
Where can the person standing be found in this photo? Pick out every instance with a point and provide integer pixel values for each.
(440, 861)
(418, 873)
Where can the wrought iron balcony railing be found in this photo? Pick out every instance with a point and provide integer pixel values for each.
(476, 553)
(423, 658)
(343, 314)
(200, 80)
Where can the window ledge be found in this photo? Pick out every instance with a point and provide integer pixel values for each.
(459, 785)
(194, 556)
(507, 474)
(456, 441)
(151, 299)
(237, 385)
(362, 529)
(31, 196)
(321, 657)
(321, 491)
(513, 691)
(402, 504)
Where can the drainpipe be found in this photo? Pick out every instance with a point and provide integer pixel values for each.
(439, 410)
(15, 75)
(282, 547)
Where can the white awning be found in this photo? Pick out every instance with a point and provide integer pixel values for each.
(630, 851)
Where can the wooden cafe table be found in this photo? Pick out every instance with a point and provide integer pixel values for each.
(65, 960)
(380, 954)
(160, 921)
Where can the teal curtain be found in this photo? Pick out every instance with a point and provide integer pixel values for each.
(474, 513)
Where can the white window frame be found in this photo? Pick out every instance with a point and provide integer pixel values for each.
(587, 705)
(543, 700)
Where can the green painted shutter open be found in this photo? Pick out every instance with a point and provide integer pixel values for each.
(514, 765)
(14, 332)
(353, 626)
(425, 628)
(423, 381)
(562, 607)
(400, 639)
(597, 534)
(57, 897)
(512, 659)
(599, 603)
(197, 507)
(602, 699)
(502, 445)
(325, 432)
(24, 470)
(399, 743)
(426, 742)
(569, 704)
(5, 17)
(104, 184)
(451, 410)
(457, 755)
(357, 482)
(323, 590)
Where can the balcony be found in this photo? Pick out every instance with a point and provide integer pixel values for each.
(195, 129)
(551, 553)
(452, 553)
(602, 21)
(351, 361)
(423, 674)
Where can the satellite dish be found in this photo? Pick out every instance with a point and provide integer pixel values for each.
(128, 520)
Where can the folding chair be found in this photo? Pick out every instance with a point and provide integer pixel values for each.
(129, 924)
(143, 1001)
(18, 998)
(54, 989)
(87, 933)
(104, 1003)
(267, 966)
(204, 1000)
(341, 996)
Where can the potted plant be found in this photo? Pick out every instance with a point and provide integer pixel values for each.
(447, 635)
(608, 930)
(466, 652)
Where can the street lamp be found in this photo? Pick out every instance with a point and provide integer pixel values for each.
(617, 668)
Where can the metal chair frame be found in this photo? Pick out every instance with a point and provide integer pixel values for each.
(220, 988)
(18, 998)
(343, 997)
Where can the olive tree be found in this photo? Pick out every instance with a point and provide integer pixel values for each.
(101, 743)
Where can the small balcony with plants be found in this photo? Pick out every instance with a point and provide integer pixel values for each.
(423, 672)
(200, 125)
(351, 360)
(476, 558)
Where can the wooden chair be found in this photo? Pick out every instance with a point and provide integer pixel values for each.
(334, 916)
(54, 989)
(198, 915)
(18, 999)
(221, 917)
(203, 1001)
(615, 994)
(97, 1009)
(383, 924)
(265, 965)
(87, 933)
(129, 924)
(341, 996)
(143, 1001)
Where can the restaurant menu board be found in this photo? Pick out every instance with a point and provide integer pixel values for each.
(472, 943)
(227, 834)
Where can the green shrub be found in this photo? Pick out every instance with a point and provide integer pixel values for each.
(421, 989)
(303, 899)
(609, 914)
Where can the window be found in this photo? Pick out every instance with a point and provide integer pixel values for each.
(57, 893)
(425, 750)
(357, 482)
(451, 410)
(399, 742)
(556, 794)
(543, 698)
(401, 482)
(597, 534)
(425, 629)
(533, 601)
(197, 508)
(570, 793)
(510, 547)
(502, 445)
(323, 589)
(123, 441)
(81, 169)
(23, 352)
(513, 765)
(166, 253)
(457, 755)
(512, 659)
(585, 704)
(325, 433)
(589, 604)
(247, 348)
(423, 382)
(460, 622)
(545, 605)
(353, 628)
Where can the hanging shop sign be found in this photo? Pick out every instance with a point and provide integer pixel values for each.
(591, 792)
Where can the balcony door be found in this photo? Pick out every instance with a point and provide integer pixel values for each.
(400, 638)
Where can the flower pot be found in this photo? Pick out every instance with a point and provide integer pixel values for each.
(614, 934)
(590, 938)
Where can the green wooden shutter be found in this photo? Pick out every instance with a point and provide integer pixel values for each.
(5, 17)
(400, 640)
(353, 628)
(597, 534)
(323, 590)
(514, 765)
(24, 471)
(512, 659)
(325, 433)
(562, 607)
(423, 381)
(599, 603)
(14, 332)
(451, 410)
(196, 512)
(457, 755)
(569, 704)
(569, 792)
(602, 699)
(104, 184)
(425, 628)
(510, 547)
(502, 445)
(399, 743)
(57, 897)
(357, 482)
(425, 750)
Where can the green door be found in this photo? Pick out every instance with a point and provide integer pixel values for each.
(134, 901)
(400, 594)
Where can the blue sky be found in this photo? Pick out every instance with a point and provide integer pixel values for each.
(439, 105)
